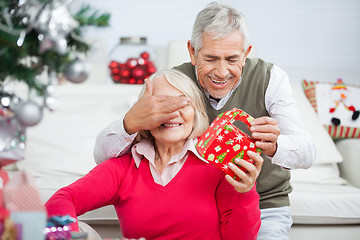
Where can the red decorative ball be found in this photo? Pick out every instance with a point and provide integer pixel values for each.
(116, 78)
(151, 69)
(132, 80)
(115, 71)
(113, 64)
(138, 72)
(131, 62)
(143, 61)
(145, 55)
(124, 72)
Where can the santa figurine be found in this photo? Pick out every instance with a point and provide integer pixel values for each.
(338, 94)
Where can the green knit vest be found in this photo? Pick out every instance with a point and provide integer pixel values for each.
(273, 183)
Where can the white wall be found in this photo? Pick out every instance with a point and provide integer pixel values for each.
(311, 39)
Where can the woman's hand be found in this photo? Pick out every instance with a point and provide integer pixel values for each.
(248, 178)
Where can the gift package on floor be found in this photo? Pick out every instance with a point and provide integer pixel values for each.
(223, 142)
(25, 209)
(24, 217)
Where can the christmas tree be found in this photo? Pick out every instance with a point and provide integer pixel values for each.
(41, 35)
(38, 38)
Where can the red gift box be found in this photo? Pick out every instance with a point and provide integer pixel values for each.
(223, 142)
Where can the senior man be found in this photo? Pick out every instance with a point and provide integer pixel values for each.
(218, 50)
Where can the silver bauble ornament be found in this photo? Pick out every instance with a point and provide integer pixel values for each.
(77, 71)
(12, 141)
(28, 113)
(54, 22)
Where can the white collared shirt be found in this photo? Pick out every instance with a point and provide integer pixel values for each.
(145, 148)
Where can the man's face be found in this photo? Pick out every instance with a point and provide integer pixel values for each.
(219, 63)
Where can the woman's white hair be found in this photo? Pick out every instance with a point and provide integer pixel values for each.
(185, 85)
(219, 20)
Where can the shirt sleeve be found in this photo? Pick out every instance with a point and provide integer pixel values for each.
(239, 212)
(96, 189)
(113, 141)
(295, 148)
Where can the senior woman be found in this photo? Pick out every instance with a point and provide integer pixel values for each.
(162, 189)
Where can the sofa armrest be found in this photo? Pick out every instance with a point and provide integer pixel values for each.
(349, 168)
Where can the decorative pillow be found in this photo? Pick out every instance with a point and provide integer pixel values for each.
(337, 106)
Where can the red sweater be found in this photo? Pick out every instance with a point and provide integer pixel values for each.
(198, 203)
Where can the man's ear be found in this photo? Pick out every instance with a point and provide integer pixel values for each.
(248, 50)
(246, 54)
(191, 50)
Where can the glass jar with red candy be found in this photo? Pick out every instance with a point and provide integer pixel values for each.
(131, 61)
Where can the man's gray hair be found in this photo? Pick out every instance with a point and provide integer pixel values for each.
(219, 20)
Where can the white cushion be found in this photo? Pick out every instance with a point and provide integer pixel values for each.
(326, 173)
(325, 204)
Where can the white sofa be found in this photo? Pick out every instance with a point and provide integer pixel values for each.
(324, 204)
